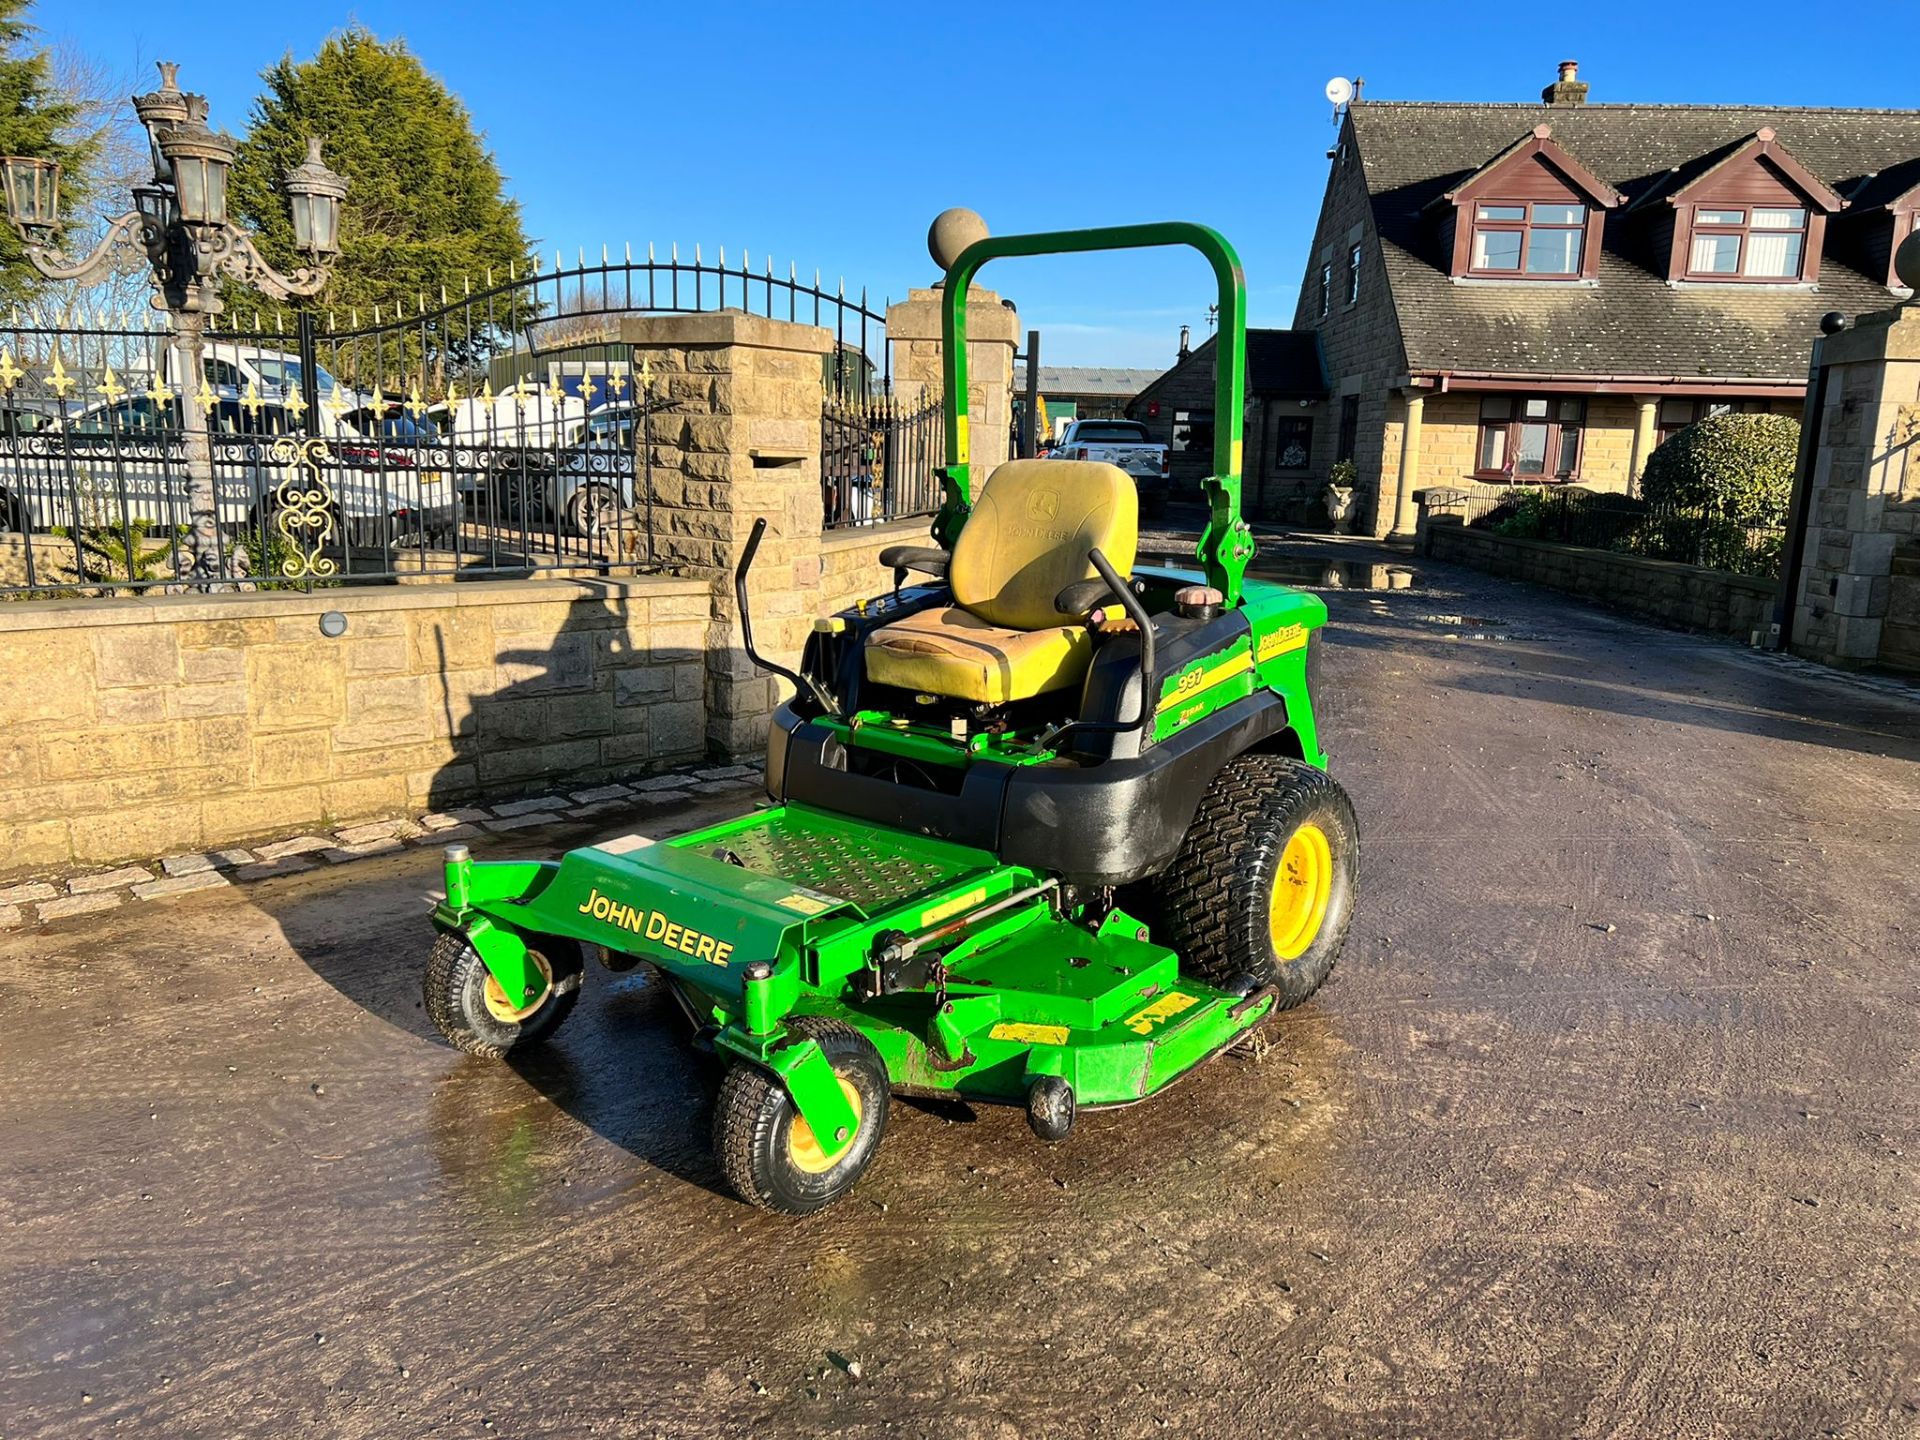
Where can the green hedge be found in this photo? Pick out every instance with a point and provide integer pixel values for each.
(1739, 467)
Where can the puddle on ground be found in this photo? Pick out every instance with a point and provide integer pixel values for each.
(1312, 574)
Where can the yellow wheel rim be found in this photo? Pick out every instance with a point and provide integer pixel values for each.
(1302, 886)
(503, 1010)
(804, 1150)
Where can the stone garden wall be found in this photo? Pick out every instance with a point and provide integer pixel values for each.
(134, 728)
(1688, 596)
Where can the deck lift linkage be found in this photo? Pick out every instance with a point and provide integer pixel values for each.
(1049, 827)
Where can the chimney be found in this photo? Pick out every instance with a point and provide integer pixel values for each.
(1569, 89)
(1186, 342)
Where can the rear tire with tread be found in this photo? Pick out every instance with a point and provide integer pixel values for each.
(1216, 901)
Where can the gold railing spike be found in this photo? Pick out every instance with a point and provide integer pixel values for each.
(696, 252)
(58, 380)
(10, 373)
(675, 253)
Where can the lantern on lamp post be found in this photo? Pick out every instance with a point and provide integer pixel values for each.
(181, 227)
(314, 194)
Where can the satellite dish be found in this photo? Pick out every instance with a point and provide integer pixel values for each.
(1339, 90)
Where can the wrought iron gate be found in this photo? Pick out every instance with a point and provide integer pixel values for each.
(500, 430)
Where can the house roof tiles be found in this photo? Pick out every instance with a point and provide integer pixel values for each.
(1629, 321)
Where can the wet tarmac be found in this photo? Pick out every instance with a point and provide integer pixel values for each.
(1606, 1125)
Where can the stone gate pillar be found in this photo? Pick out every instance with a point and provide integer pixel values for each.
(1858, 601)
(742, 442)
(993, 331)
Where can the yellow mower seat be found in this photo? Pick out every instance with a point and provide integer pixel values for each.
(1026, 541)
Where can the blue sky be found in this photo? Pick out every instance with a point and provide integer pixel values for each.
(831, 134)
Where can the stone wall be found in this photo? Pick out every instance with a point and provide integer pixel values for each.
(850, 561)
(1687, 596)
(135, 728)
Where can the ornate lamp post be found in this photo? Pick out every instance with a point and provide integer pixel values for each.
(179, 223)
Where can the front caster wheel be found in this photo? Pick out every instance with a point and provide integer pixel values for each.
(769, 1153)
(467, 1005)
(1050, 1108)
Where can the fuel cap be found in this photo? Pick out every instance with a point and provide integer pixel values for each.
(1201, 602)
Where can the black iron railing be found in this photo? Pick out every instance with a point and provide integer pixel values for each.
(879, 459)
(503, 429)
(1601, 520)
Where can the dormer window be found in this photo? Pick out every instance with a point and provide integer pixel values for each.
(1531, 213)
(1528, 238)
(1753, 215)
(1761, 242)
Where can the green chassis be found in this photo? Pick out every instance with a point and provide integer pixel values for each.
(1038, 980)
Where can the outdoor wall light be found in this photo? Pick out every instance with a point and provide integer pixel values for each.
(333, 624)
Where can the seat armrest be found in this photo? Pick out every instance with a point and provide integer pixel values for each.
(1082, 596)
(923, 558)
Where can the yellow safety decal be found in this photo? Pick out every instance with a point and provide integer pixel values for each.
(1029, 1034)
(1287, 637)
(806, 904)
(961, 441)
(946, 909)
(655, 926)
(1141, 1022)
(1239, 447)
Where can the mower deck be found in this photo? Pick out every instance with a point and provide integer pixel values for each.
(1012, 995)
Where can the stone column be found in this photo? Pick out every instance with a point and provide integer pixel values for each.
(743, 442)
(993, 332)
(1403, 514)
(1645, 436)
(1865, 501)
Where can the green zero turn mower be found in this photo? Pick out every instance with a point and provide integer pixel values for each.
(1049, 827)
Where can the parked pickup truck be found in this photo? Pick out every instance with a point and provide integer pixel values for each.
(1118, 442)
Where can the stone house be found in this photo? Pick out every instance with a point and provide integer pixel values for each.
(1541, 293)
(1284, 436)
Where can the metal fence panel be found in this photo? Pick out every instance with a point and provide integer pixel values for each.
(505, 429)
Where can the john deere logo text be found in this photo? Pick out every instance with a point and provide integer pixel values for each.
(655, 926)
(1287, 637)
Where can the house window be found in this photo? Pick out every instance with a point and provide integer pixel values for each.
(1293, 444)
(1192, 430)
(1525, 437)
(1326, 290)
(1747, 242)
(1528, 238)
(1353, 275)
(1349, 427)
(1677, 415)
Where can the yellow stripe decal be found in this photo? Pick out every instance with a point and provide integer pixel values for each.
(1029, 1034)
(948, 908)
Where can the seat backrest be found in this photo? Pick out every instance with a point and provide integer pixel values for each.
(1028, 537)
